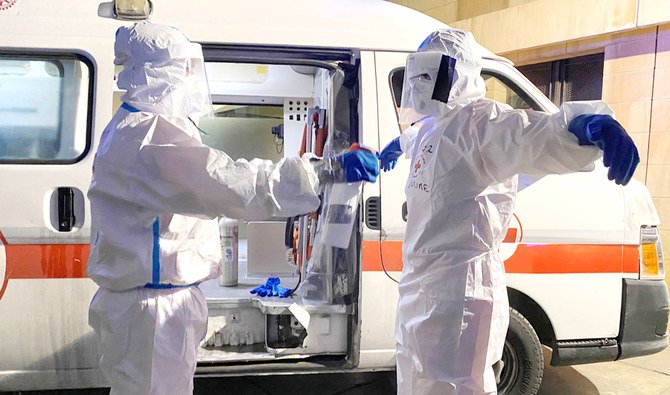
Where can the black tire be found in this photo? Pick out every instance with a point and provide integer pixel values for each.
(523, 358)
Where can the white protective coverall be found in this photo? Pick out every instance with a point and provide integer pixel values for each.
(453, 310)
(155, 195)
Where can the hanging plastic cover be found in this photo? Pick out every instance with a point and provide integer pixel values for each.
(330, 277)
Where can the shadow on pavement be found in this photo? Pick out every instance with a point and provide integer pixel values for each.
(381, 383)
(378, 383)
(564, 380)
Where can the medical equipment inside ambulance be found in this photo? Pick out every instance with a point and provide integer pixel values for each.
(271, 111)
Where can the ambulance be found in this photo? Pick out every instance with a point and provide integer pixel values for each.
(583, 255)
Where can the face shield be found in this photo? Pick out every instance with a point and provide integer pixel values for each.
(163, 72)
(427, 86)
(199, 103)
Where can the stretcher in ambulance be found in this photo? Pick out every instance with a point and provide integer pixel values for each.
(583, 257)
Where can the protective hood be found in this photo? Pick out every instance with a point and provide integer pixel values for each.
(447, 59)
(163, 72)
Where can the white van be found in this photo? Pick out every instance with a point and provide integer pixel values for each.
(584, 263)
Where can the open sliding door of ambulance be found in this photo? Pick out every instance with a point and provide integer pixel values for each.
(272, 103)
(385, 220)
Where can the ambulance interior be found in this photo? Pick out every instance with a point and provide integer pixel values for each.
(266, 111)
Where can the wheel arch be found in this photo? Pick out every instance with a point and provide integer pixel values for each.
(534, 313)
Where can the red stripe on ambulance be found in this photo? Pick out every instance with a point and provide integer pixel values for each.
(34, 261)
(531, 258)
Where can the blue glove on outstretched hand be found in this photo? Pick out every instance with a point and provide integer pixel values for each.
(390, 154)
(619, 151)
(359, 165)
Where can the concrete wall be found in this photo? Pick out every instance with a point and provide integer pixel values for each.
(634, 35)
(455, 10)
(511, 25)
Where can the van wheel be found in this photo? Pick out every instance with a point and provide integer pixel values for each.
(522, 356)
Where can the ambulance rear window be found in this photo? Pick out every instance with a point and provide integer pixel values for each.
(44, 108)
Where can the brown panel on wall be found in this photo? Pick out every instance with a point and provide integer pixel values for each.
(445, 13)
(471, 8)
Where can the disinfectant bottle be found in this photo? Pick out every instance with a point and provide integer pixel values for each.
(228, 232)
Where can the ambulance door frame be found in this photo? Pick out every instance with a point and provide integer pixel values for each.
(325, 58)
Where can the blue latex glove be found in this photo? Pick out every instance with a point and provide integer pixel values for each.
(276, 289)
(261, 290)
(359, 165)
(272, 288)
(619, 151)
(390, 154)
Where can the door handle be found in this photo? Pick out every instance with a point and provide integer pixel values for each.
(66, 218)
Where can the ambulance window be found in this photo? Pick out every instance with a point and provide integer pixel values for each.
(245, 131)
(498, 88)
(501, 89)
(44, 108)
(397, 76)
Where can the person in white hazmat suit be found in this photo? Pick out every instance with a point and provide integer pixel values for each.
(466, 152)
(155, 195)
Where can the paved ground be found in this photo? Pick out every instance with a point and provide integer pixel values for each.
(638, 376)
(648, 375)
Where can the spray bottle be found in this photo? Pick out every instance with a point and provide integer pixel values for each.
(228, 231)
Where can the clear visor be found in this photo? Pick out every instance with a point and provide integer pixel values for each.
(421, 71)
(197, 81)
(187, 50)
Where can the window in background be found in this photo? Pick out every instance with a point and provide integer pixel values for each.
(44, 108)
(579, 78)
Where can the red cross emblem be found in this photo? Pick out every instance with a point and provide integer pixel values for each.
(6, 4)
